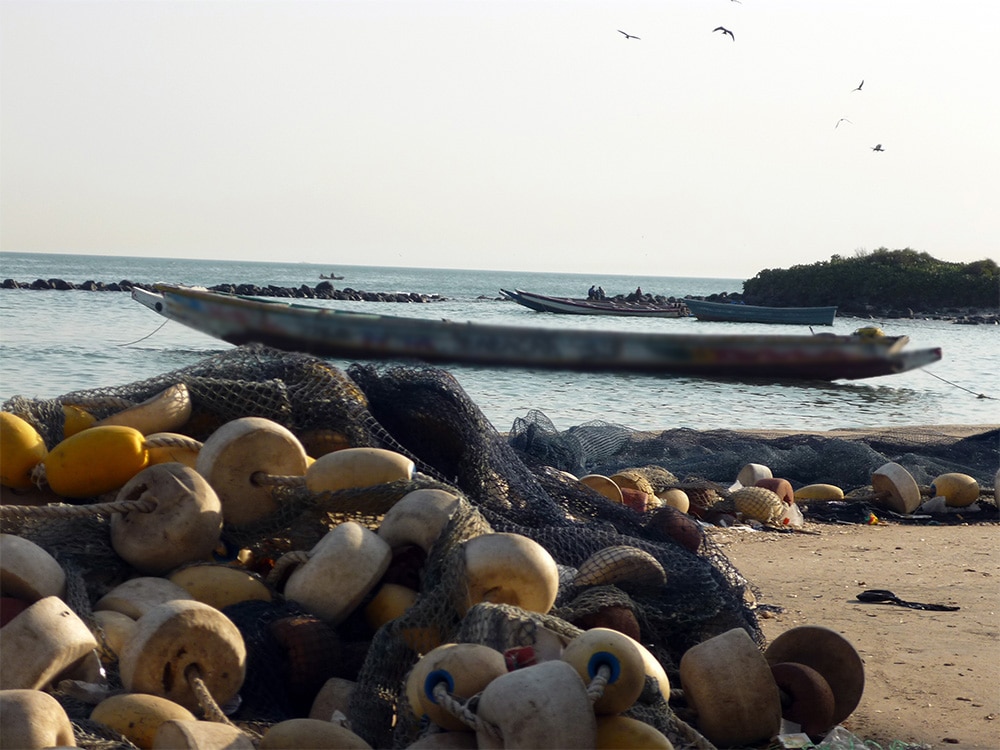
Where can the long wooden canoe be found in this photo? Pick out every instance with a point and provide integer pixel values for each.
(576, 306)
(351, 335)
(739, 313)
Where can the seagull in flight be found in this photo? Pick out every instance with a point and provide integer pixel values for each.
(877, 147)
(628, 36)
(859, 85)
(842, 119)
(724, 31)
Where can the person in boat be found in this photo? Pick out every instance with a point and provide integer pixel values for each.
(592, 292)
(600, 292)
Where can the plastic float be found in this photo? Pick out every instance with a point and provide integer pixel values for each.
(33, 719)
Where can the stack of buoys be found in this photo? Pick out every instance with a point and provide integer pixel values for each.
(574, 697)
(809, 676)
(181, 658)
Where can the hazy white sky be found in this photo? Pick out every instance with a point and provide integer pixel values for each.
(525, 135)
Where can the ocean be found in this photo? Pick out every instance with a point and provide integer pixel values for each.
(56, 342)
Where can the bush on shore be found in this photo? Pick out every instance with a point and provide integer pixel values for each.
(882, 279)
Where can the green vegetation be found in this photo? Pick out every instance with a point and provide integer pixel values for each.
(883, 279)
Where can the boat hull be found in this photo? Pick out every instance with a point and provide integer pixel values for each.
(735, 313)
(350, 335)
(572, 306)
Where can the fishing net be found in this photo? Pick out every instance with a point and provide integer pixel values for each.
(503, 483)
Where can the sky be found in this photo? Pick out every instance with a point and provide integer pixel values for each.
(526, 135)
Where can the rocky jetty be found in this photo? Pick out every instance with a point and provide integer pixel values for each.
(323, 290)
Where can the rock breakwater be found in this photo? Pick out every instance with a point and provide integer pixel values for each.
(323, 290)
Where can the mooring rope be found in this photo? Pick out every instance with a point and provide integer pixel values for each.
(967, 390)
(146, 336)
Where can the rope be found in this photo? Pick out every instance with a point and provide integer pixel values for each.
(967, 390)
(461, 711)
(174, 441)
(595, 690)
(204, 697)
(146, 336)
(61, 510)
(263, 479)
(280, 570)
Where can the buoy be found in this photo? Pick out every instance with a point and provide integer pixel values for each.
(184, 525)
(164, 412)
(620, 564)
(418, 518)
(33, 720)
(505, 568)
(76, 419)
(343, 567)
(42, 642)
(178, 642)
(220, 586)
(115, 630)
(357, 468)
(819, 492)
(896, 489)
(542, 706)
(178, 734)
(830, 654)
(21, 450)
(464, 669)
(27, 571)
(614, 657)
(806, 697)
(675, 498)
(958, 490)
(759, 503)
(335, 696)
(138, 717)
(780, 487)
(676, 525)
(94, 461)
(136, 596)
(869, 332)
(604, 486)
(238, 455)
(729, 684)
(616, 732)
(750, 474)
(390, 601)
(310, 733)
(170, 447)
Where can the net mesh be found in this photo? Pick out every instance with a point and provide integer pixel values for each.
(504, 483)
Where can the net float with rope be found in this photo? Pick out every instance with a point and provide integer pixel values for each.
(247, 458)
(164, 515)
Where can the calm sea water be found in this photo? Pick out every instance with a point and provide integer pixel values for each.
(55, 342)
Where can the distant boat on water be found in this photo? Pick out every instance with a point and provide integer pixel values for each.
(738, 313)
(332, 276)
(576, 306)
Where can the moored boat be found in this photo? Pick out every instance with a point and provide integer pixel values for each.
(576, 306)
(739, 313)
(342, 334)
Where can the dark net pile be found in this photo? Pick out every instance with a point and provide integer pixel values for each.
(504, 484)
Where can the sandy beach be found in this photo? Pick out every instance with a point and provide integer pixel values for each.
(931, 677)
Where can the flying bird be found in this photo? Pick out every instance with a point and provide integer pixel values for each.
(877, 147)
(842, 119)
(724, 31)
(859, 85)
(628, 36)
